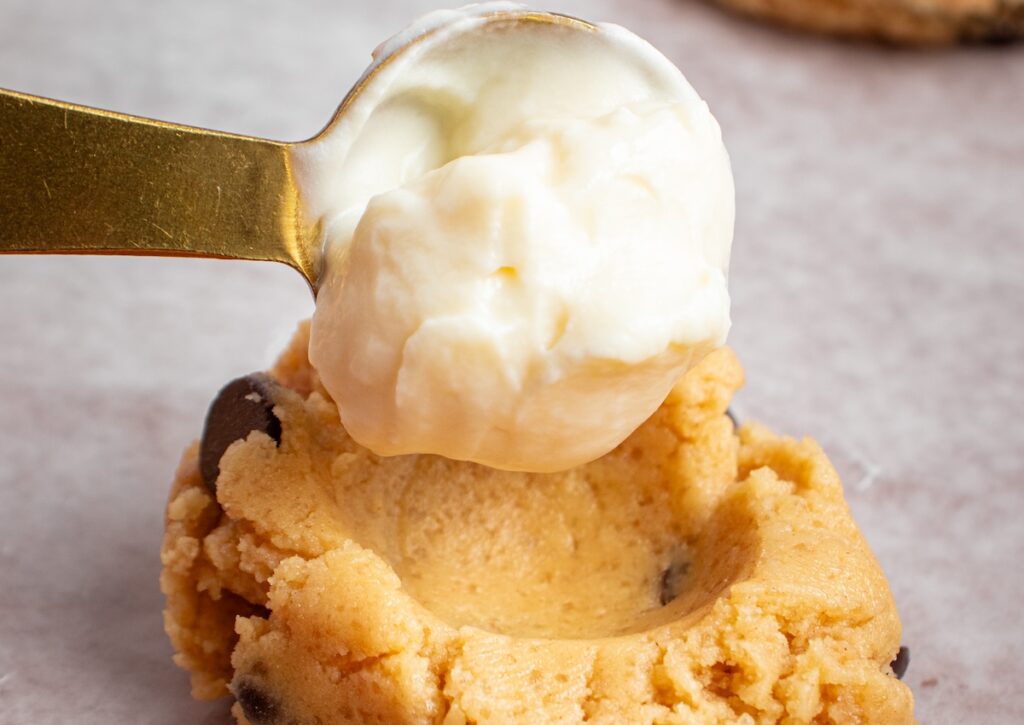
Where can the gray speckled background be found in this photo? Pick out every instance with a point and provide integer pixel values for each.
(878, 272)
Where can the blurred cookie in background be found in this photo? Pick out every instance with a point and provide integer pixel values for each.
(913, 22)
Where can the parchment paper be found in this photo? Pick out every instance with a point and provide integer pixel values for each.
(877, 279)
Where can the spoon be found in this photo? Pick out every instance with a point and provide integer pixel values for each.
(77, 180)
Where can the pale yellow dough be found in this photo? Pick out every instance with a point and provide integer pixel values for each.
(327, 585)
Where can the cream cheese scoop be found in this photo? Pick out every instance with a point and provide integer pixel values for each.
(517, 226)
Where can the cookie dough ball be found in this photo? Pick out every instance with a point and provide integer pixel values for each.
(694, 574)
(898, 21)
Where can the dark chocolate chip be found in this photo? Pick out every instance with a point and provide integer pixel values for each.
(733, 418)
(672, 580)
(902, 661)
(242, 406)
(258, 707)
(1001, 35)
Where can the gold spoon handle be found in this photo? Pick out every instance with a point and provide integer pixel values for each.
(77, 180)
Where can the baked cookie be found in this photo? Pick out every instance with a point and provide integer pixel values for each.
(696, 574)
(897, 21)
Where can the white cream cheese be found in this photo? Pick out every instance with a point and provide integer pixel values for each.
(527, 236)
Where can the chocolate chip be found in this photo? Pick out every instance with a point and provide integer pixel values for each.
(672, 580)
(902, 661)
(242, 406)
(258, 707)
(733, 418)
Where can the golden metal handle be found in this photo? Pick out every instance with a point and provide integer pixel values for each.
(77, 180)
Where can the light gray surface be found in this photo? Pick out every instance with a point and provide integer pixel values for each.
(877, 278)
